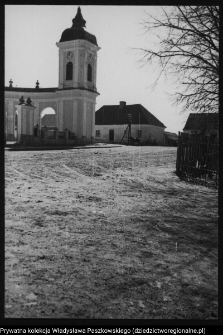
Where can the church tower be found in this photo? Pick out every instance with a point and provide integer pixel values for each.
(77, 90)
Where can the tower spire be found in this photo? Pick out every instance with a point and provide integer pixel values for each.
(78, 21)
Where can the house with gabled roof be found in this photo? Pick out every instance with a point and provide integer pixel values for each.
(48, 120)
(202, 123)
(111, 122)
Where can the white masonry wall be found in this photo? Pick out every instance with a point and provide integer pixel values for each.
(147, 132)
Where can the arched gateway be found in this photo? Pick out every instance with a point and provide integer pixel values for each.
(73, 100)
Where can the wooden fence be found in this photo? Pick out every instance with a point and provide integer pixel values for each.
(61, 134)
(197, 156)
(51, 134)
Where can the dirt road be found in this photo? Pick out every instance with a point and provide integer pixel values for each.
(108, 233)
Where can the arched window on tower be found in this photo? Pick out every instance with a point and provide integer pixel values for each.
(89, 72)
(69, 71)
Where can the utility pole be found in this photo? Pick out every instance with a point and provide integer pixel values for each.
(129, 132)
(128, 129)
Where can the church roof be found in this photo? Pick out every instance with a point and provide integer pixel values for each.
(77, 32)
(26, 89)
(114, 114)
(49, 89)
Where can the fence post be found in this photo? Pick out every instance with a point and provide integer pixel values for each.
(66, 134)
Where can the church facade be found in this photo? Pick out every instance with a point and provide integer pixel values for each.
(73, 100)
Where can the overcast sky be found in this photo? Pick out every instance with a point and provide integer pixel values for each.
(31, 34)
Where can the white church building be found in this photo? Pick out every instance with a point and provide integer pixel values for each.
(73, 100)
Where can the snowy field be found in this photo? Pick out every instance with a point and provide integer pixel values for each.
(108, 233)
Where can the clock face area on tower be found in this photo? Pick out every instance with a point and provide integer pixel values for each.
(69, 55)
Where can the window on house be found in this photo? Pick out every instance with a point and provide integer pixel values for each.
(139, 134)
(89, 72)
(97, 133)
(69, 71)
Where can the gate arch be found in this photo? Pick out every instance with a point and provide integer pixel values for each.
(48, 117)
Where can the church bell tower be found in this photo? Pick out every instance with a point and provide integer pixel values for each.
(77, 90)
(77, 56)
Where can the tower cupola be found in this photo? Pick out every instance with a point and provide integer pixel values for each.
(77, 32)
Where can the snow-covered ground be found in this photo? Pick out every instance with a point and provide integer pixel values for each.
(107, 233)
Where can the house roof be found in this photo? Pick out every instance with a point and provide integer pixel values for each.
(171, 136)
(117, 115)
(48, 120)
(198, 121)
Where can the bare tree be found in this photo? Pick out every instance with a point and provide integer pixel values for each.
(188, 52)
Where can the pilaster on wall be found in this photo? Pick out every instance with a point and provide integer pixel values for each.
(85, 70)
(23, 120)
(57, 116)
(30, 123)
(84, 117)
(10, 119)
(75, 111)
(95, 71)
(68, 114)
(61, 74)
(93, 120)
(89, 119)
(60, 116)
(81, 68)
(76, 65)
(36, 114)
